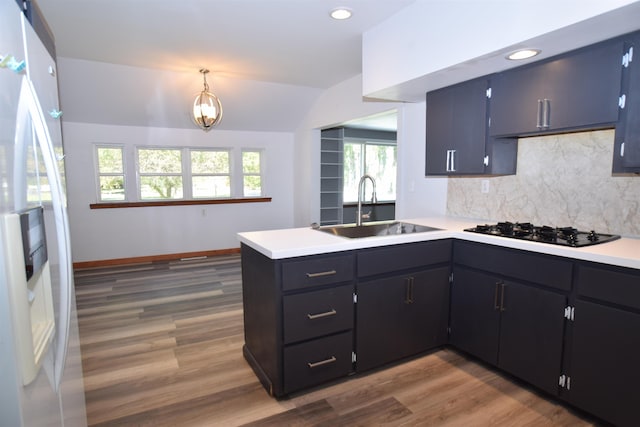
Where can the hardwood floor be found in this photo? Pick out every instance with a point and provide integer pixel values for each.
(161, 346)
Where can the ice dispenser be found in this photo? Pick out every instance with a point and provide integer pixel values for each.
(29, 287)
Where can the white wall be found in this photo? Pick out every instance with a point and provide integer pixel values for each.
(335, 106)
(103, 234)
(418, 196)
(345, 102)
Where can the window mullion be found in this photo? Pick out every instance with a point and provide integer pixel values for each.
(187, 189)
(236, 174)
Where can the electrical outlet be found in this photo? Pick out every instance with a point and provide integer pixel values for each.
(484, 186)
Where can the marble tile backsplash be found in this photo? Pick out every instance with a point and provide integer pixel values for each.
(562, 180)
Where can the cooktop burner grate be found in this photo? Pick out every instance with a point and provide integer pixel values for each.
(566, 236)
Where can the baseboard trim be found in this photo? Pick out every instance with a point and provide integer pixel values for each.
(152, 258)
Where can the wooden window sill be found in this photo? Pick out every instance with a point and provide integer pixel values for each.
(118, 205)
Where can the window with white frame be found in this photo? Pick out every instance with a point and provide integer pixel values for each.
(160, 173)
(210, 174)
(251, 173)
(110, 166)
(377, 159)
(170, 173)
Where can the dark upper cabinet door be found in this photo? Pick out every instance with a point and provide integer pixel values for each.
(578, 90)
(626, 152)
(531, 334)
(401, 316)
(456, 129)
(604, 363)
(475, 315)
(514, 101)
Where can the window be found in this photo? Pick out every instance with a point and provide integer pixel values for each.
(177, 173)
(160, 172)
(110, 173)
(375, 159)
(210, 174)
(251, 173)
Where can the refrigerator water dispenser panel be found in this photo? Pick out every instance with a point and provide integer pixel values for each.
(33, 240)
(30, 295)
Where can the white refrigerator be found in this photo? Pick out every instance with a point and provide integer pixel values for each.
(40, 365)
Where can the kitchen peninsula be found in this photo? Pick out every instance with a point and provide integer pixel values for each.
(319, 307)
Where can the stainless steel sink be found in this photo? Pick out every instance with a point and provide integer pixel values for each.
(371, 229)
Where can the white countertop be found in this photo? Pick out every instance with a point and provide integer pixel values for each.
(294, 242)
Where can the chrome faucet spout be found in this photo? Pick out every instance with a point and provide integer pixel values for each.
(374, 198)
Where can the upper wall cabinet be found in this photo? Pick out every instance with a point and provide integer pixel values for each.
(626, 151)
(578, 90)
(457, 142)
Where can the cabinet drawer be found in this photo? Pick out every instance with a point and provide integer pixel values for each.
(315, 271)
(403, 257)
(528, 266)
(317, 361)
(617, 286)
(314, 314)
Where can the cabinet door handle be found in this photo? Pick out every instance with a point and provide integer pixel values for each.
(332, 359)
(539, 115)
(546, 113)
(451, 161)
(496, 305)
(502, 307)
(409, 290)
(331, 312)
(321, 274)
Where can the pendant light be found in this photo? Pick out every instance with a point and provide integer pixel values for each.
(207, 109)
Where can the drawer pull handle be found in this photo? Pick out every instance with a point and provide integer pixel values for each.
(496, 305)
(332, 359)
(502, 307)
(409, 291)
(332, 312)
(321, 274)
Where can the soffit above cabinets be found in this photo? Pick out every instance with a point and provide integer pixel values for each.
(402, 60)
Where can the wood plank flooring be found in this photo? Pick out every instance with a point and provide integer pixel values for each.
(161, 346)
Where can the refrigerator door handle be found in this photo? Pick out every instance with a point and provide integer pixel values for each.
(58, 203)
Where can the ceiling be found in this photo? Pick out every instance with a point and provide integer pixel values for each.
(269, 59)
(282, 41)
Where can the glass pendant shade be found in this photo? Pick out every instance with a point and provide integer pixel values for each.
(207, 109)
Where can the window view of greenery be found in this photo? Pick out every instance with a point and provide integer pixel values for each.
(160, 173)
(111, 173)
(210, 174)
(377, 160)
(252, 174)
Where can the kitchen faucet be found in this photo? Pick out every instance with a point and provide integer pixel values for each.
(374, 199)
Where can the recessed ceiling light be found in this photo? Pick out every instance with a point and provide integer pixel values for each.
(523, 54)
(341, 13)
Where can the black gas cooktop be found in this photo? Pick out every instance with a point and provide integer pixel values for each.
(566, 236)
